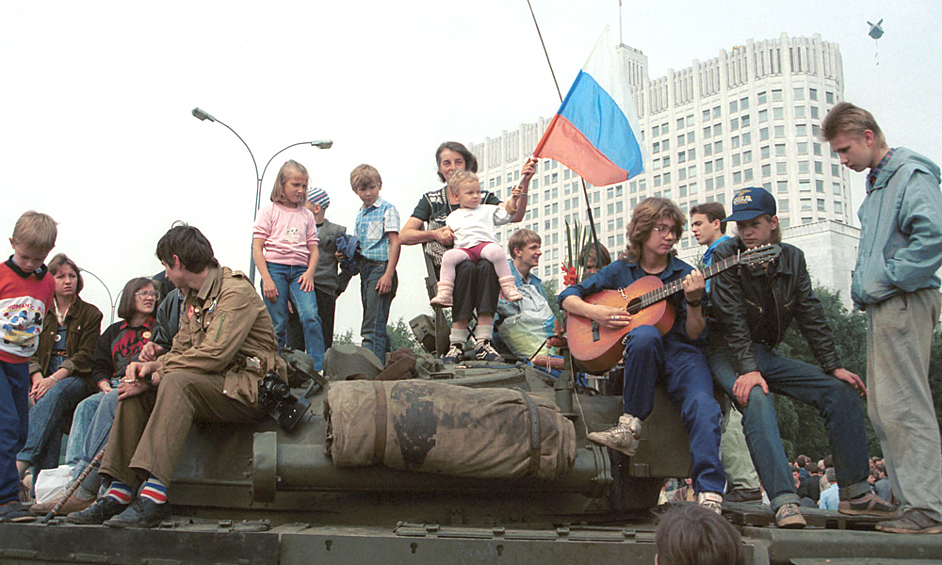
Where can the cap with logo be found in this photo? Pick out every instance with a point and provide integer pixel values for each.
(750, 203)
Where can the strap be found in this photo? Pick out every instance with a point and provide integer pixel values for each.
(534, 415)
(379, 445)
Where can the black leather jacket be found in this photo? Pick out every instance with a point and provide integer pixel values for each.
(754, 304)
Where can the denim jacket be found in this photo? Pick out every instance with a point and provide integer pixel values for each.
(901, 231)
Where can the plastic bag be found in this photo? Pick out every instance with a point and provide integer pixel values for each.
(525, 332)
(52, 483)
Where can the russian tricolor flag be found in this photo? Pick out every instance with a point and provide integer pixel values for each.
(595, 132)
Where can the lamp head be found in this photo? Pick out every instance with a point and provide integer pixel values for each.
(203, 115)
(323, 143)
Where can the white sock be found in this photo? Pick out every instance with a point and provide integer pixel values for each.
(484, 332)
(459, 336)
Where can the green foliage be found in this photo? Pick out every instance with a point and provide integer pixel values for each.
(345, 337)
(551, 293)
(400, 335)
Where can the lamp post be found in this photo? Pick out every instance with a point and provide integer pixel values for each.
(319, 143)
(108, 290)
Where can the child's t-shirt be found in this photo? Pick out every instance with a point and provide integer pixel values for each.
(288, 233)
(23, 303)
(372, 225)
(476, 225)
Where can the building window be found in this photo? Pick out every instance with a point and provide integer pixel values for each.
(805, 204)
(799, 111)
(747, 156)
(667, 178)
(814, 112)
(803, 167)
(720, 183)
(819, 186)
(746, 138)
(707, 149)
(747, 175)
(783, 204)
(744, 103)
(717, 112)
(692, 153)
(737, 160)
(820, 205)
(812, 93)
(718, 146)
(666, 144)
(709, 184)
(667, 161)
(691, 137)
(763, 116)
(838, 209)
(744, 119)
(737, 177)
(718, 164)
(680, 140)
(657, 180)
(828, 96)
(777, 95)
(778, 113)
(692, 171)
(764, 134)
(765, 152)
(819, 167)
(734, 142)
(799, 93)
(680, 123)
(782, 187)
(766, 170)
(802, 148)
(781, 168)
(655, 131)
(656, 147)
(681, 157)
(779, 132)
(801, 130)
(804, 185)
(734, 124)
(707, 132)
(706, 114)
(763, 98)
(734, 106)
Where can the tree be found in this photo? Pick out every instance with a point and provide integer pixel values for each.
(400, 335)
(551, 293)
(345, 337)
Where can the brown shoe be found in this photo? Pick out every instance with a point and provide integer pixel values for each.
(911, 522)
(789, 517)
(73, 504)
(867, 505)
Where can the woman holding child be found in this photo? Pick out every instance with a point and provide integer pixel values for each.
(476, 285)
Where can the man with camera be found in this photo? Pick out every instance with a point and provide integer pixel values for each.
(225, 345)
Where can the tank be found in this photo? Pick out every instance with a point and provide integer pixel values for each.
(258, 494)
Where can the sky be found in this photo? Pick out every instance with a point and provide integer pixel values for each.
(96, 130)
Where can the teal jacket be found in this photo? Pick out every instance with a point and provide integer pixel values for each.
(901, 231)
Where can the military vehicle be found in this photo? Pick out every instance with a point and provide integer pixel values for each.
(261, 495)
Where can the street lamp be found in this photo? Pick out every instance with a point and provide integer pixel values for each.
(111, 301)
(319, 143)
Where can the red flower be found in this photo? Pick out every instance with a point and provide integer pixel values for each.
(570, 278)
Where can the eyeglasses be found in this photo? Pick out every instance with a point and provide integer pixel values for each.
(664, 231)
(146, 294)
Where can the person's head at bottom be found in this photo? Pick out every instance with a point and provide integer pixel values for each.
(691, 535)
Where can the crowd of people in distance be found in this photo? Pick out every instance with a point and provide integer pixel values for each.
(193, 343)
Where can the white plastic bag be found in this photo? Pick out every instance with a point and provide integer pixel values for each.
(52, 483)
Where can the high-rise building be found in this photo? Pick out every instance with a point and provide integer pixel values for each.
(749, 117)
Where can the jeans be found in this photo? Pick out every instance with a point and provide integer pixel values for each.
(686, 376)
(48, 418)
(14, 425)
(326, 303)
(836, 401)
(375, 307)
(286, 279)
(94, 436)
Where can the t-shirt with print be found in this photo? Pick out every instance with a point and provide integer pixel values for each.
(288, 234)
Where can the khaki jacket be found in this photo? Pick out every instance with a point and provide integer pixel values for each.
(83, 326)
(226, 317)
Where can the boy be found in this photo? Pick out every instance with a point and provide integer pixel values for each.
(753, 306)
(674, 359)
(896, 284)
(26, 288)
(377, 228)
(328, 284)
(689, 535)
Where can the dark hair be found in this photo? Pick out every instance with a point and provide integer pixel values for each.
(470, 161)
(643, 219)
(189, 245)
(127, 307)
(812, 468)
(691, 535)
(713, 211)
(588, 250)
(60, 260)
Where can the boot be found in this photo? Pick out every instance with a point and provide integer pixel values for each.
(509, 289)
(624, 437)
(443, 297)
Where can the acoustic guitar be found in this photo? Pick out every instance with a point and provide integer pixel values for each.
(598, 348)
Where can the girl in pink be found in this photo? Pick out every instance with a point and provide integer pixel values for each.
(285, 249)
(474, 225)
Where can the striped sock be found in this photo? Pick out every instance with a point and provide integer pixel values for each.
(154, 490)
(119, 492)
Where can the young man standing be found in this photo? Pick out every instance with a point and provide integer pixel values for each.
(675, 358)
(896, 284)
(753, 306)
(708, 226)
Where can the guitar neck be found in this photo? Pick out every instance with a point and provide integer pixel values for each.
(676, 286)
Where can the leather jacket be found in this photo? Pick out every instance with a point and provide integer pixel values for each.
(84, 326)
(757, 303)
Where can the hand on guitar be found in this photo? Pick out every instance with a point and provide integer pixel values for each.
(743, 386)
(607, 316)
(694, 284)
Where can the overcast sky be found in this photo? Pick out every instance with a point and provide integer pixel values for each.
(95, 124)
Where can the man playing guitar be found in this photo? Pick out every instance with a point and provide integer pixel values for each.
(675, 358)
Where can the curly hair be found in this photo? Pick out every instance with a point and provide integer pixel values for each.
(643, 219)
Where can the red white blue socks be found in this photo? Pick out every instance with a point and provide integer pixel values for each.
(119, 492)
(154, 490)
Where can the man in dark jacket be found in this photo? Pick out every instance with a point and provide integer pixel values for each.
(754, 306)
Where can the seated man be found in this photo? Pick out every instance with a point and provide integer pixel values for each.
(225, 345)
(754, 306)
(524, 325)
(674, 359)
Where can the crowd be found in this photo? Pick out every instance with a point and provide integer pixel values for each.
(194, 346)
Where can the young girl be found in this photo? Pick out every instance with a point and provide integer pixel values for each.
(286, 253)
(473, 225)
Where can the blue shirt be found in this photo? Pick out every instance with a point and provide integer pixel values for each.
(830, 499)
(372, 225)
(707, 258)
(622, 273)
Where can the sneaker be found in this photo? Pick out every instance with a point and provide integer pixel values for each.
(103, 509)
(454, 355)
(744, 495)
(624, 437)
(867, 505)
(484, 351)
(142, 513)
(14, 511)
(911, 522)
(73, 504)
(712, 501)
(789, 517)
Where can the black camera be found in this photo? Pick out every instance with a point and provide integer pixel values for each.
(275, 397)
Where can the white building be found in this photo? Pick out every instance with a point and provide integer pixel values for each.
(748, 117)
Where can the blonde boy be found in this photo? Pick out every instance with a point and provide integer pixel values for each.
(26, 288)
(377, 228)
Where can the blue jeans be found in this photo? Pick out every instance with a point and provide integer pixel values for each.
(14, 425)
(836, 401)
(48, 418)
(684, 370)
(375, 307)
(286, 278)
(94, 436)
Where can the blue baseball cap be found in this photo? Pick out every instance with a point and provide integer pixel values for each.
(750, 203)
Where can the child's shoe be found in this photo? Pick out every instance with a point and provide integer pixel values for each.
(443, 297)
(509, 289)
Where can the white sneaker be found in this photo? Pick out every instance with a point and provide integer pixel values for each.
(624, 437)
(712, 501)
